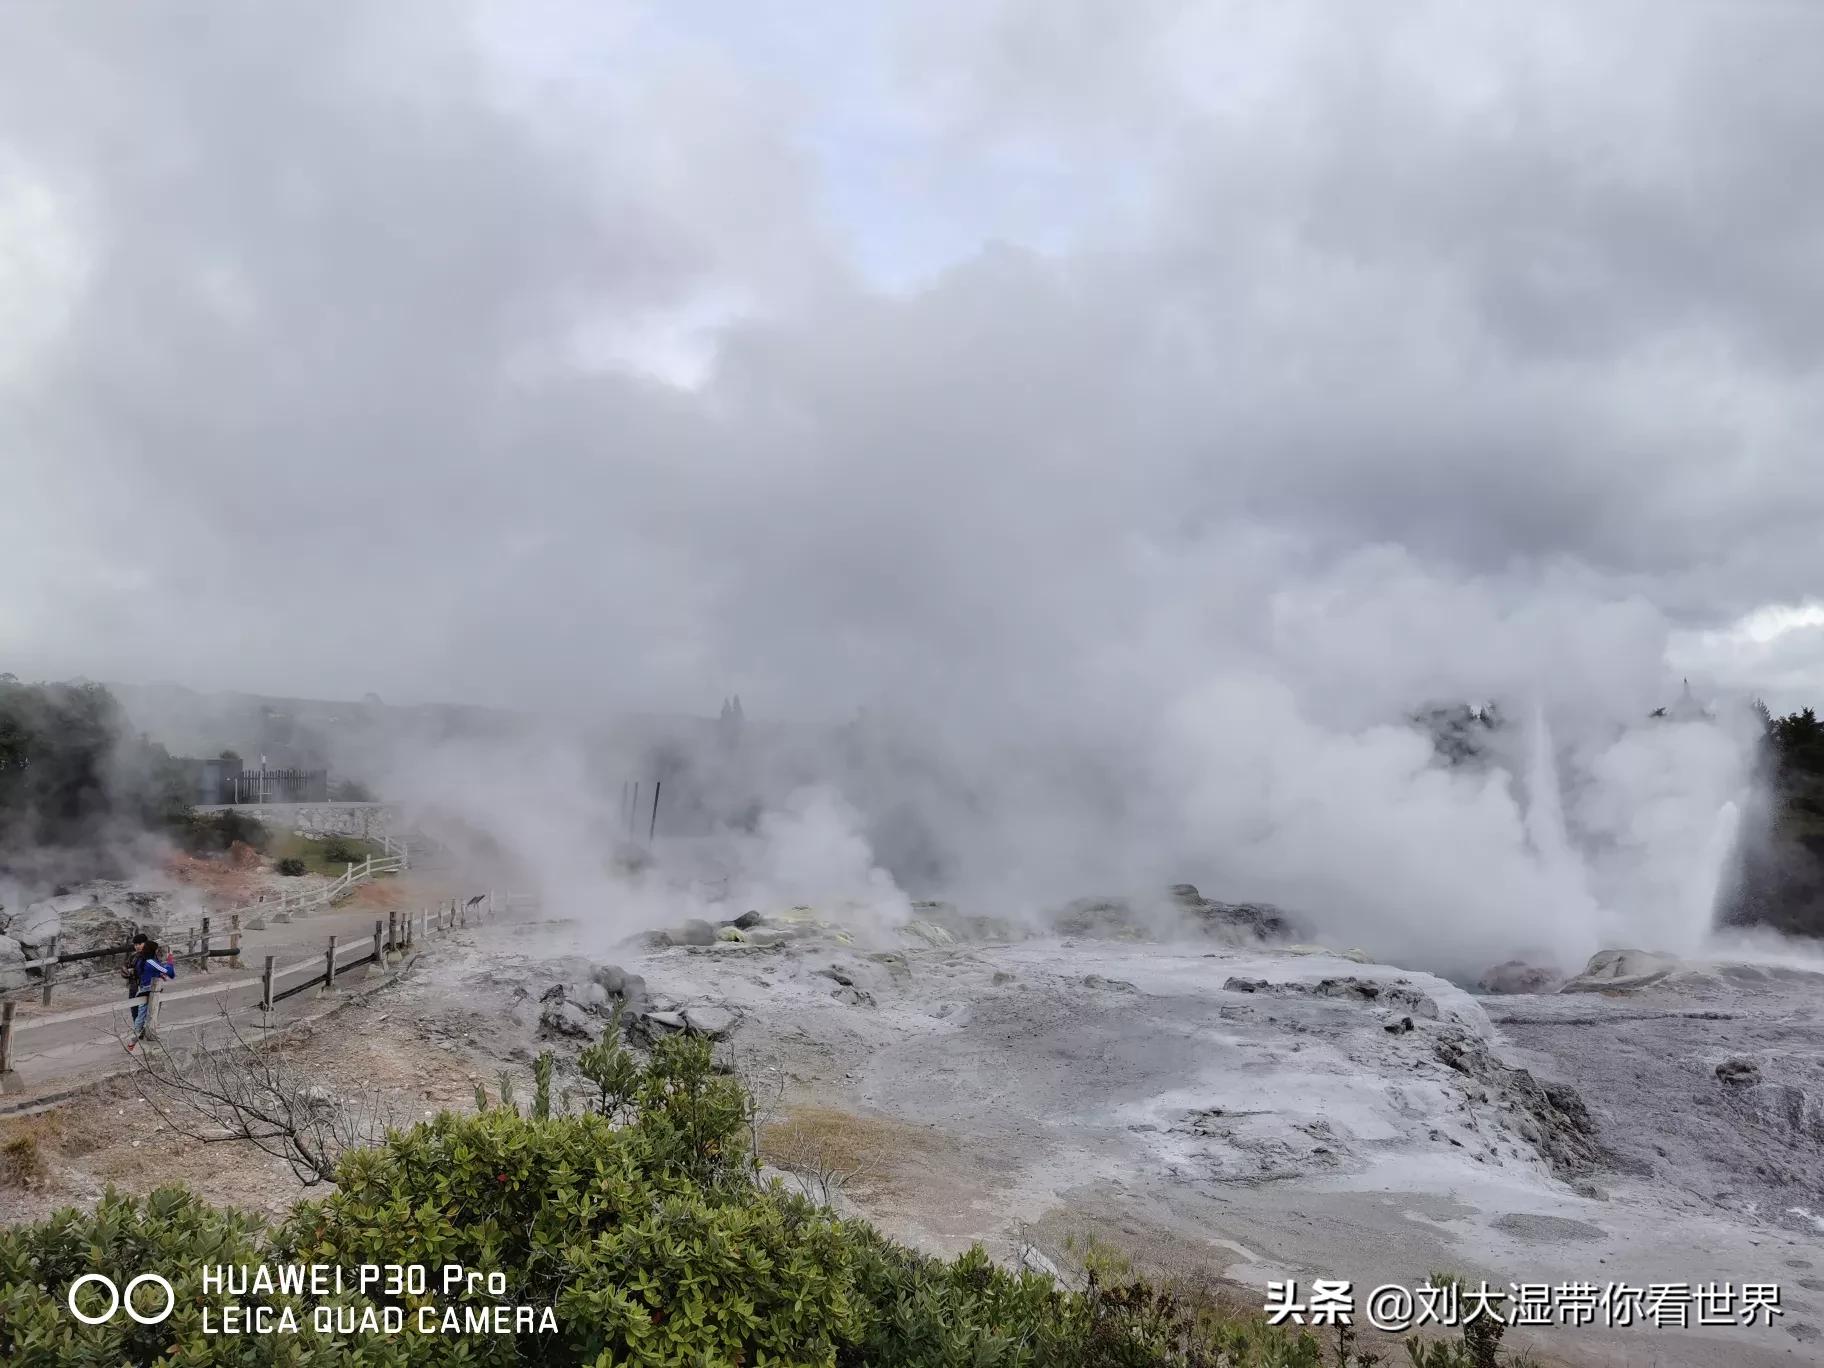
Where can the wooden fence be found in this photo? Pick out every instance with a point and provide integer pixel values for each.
(393, 939)
(255, 915)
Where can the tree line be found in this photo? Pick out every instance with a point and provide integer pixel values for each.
(1780, 881)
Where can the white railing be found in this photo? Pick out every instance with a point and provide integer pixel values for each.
(293, 904)
(288, 906)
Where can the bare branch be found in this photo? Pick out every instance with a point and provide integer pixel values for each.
(237, 1089)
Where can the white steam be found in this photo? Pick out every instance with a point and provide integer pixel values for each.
(1266, 751)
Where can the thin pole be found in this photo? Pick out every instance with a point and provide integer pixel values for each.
(657, 784)
(329, 967)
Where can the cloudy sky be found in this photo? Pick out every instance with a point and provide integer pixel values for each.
(1011, 351)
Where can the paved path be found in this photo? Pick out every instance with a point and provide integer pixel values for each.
(58, 1058)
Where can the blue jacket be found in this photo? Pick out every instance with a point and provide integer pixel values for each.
(151, 969)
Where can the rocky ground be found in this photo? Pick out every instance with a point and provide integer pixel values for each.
(1223, 1104)
(1190, 1090)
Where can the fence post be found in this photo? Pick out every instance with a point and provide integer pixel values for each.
(50, 970)
(234, 940)
(462, 911)
(266, 993)
(379, 964)
(189, 942)
(329, 967)
(8, 1081)
(205, 945)
(392, 934)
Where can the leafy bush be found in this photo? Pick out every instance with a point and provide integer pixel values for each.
(291, 866)
(209, 833)
(337, 850)
(648, 1236)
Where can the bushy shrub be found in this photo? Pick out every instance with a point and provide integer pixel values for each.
(649, 1237)
(291, 866)
(21, 1164)
(336, 850)
(210, 833)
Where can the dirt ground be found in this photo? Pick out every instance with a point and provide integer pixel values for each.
(110, 1137)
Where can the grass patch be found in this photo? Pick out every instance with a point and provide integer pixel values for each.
(827, 1150)
(328, 855)
(22, 1146)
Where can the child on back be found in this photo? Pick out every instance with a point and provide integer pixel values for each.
(153, 968)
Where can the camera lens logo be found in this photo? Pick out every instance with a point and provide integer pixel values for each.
(117, 1299)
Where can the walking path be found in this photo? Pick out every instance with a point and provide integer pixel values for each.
(66, 1055)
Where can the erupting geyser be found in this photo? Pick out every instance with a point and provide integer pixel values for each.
(1718, 858)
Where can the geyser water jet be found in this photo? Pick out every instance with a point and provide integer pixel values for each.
(1719, 856)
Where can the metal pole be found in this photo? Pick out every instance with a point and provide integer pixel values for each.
(329, 967)
(266, 991)
(205, 945)
(657, 784)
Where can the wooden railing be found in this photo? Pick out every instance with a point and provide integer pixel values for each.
(393, 940)
(197, 938)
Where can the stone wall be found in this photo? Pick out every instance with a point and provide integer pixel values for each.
(370, 820)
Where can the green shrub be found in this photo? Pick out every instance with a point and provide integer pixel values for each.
(649, 1237)
(336, 850)
(208, 833)
(291, 866)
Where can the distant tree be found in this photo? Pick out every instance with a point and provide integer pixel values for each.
(1782, 874)
(72, 773)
